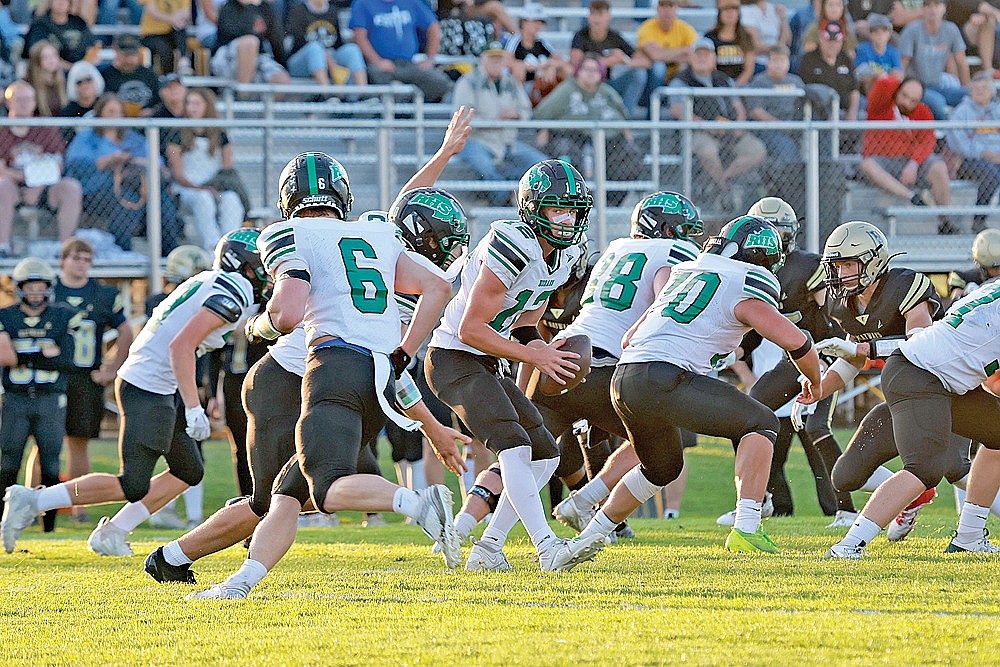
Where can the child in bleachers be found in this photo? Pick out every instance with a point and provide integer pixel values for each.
(877, 57)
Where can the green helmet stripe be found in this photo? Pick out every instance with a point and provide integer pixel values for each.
(732, 232)
(573, 187)
(311, 173)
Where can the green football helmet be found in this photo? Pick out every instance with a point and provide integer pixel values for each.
(237, 252)
(662, 211)
(748, 239)
(554, 183)
(314, 180)
(432, 223)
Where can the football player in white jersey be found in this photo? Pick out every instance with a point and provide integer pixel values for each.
(335, 278)
(944, 379)
(161, 414)
(506, 283)
(662, 385)
(624, 282)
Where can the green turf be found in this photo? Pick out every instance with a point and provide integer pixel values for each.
(355, 596)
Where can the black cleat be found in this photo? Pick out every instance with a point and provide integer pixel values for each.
(158, 568)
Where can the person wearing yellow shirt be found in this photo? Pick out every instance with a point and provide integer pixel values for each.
(666, 40)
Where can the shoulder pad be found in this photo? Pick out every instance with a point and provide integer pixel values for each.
(912, 288)
(224, 306)
(762, 284)
(275, 242)
(229, 284)
(374, 216)
(681, 251)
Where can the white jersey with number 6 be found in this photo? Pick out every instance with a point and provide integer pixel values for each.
(351, 269)
(963, 348)
(511, 251)
(621, 288)
(692, 323)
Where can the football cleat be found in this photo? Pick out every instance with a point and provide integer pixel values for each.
(624, 532)
(434, 517)
(728, 520)
(750, 542)
(167, 518)
(841, 552)
(109, 540)
(221, 591)
(843, 519)
(565, 554)
(158, 568)
(901, 526)
(982, 545)
(19, 512)
(481, 558)
(569, 513)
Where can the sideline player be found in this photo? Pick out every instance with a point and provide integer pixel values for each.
(159, 407)
(661, 384)
(986, 255)
(943, 380)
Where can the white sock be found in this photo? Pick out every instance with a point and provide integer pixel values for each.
(971, 523)
(130, 516)
(519, 483)
(418, 480)
(880, 475)
(54, 497)
(861, 533)
(194, 502)
(592, 493)
(249, 575)
(173, 554)
(599, 525)
(503, 519)
(406, 502)
(959, 499)
(747, 515)
(671, 514)
(465, 523)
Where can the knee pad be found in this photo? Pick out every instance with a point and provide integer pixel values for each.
(640, 486)
(762, 422)
(135, 489)
(490, 498)
(507, 434)
(191, 472)
(929, 473)
(844, 479)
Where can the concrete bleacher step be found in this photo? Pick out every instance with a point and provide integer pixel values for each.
(865, 202)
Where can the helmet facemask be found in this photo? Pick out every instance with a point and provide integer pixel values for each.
(566, 228)
(32, 296)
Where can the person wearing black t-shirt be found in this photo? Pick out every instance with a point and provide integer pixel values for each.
(317, 47)
(626, 68)
(67, 32)
(135, 84)
(829, 65)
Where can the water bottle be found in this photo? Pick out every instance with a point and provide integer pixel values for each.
(588, 161)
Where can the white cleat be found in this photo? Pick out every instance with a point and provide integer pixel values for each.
(841, 552)
(167, 518)
(20, 510)
(901, 526)
(569, 513)
(221, 592)
(108, 540)
(980, 546)
(728, 520)
(843, 519)
(564, 555)
(481, 558)
(434, 517)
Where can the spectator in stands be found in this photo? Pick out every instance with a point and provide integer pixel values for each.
(836, 12)
(494, 152)
(206, 17)
(979, 147)
(666, 40)
(534, 61)
(85, 9)
(318, 50)
(110, 163)
(135, 85)
(979, 21)
(741, 151)
(45, 74)
(781, 146)
(388, 33)
(107, 11)
(67, 32)
(200, 163)
(491, 9)
(902, 162)
(172, 95)
(585, 96)
(734, 47)
(84, 84)
(31, 169)
(626, 66)
(860, 12)
(163, 30)
(767, 23)
(931, 49)
(877, 57)
(249, 43)
(905, 12)
(830, 66)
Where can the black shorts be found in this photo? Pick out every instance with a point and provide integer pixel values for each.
(495, 410)
(84, 405)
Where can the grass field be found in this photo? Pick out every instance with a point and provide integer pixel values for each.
(356, 596)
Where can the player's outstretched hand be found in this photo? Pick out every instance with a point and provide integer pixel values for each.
(445, 441)
(555, 362)
(837, 347)
(458, 131)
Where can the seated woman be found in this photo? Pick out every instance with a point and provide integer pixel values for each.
(45, 74)
(196, 156)
(110, 163)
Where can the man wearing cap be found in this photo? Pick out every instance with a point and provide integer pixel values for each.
(830, 66)
(743, 151)
(494, 152)
(877, 57)
(532, 58)
(666, 40)
(134, 83)
(928, 47)
(627, 67)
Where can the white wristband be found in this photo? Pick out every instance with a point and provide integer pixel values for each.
(845, 369)
(264, 328)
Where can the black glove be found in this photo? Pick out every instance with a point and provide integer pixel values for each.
(400, 360)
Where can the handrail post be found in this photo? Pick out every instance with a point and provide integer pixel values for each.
(384, 166)
(418, 101)
(154, 225)
(687, 149)
(654, 137)
(812, 189)
(599, 141)
(268, 143)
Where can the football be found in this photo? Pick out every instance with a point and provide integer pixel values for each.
(543, 384)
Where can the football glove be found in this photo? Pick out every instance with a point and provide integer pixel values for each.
(837, 347)
(197, 423)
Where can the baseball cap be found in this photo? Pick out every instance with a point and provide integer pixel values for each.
(879, 21)
(703, 43)
(533, 11)
(126, 43)
(831, 30)
(494, 48)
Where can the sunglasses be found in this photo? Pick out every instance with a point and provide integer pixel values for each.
(84, 80)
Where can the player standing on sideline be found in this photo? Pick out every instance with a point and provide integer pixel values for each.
(661, 383)
(36, 352)
(102, 310)
(942, 380)
(158, 403)
(878, 307)
(986, 255)
(505, 285)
